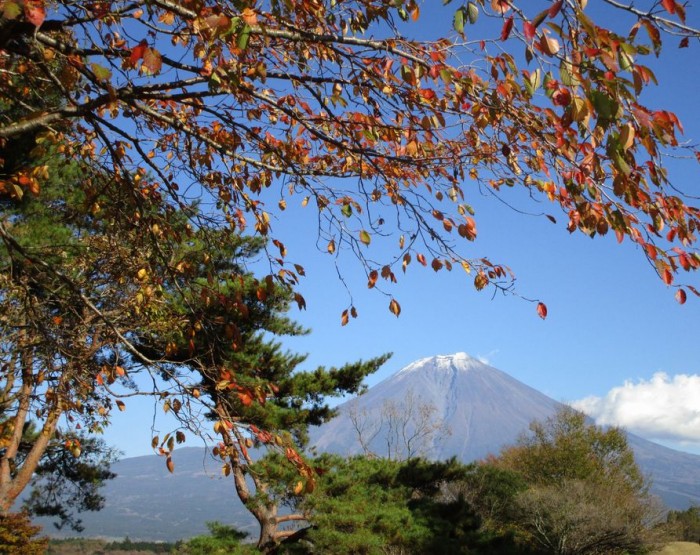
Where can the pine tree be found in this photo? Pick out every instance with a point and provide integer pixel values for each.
(225, 352)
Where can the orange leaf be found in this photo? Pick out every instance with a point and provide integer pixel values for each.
(542, 310)
(680, 296)
(500, 6)
(344, 318)
(669, 6)
(34, 12)
(651, 251)
(667, 276)
(152, 62)
(170, 465)
(249, 17)
(480, 281)
(245, 398)
(122, 407)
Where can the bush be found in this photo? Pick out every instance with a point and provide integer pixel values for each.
(19, 536)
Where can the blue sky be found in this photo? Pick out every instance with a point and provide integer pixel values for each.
(612, 328)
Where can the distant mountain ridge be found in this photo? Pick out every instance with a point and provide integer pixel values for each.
(485, 408)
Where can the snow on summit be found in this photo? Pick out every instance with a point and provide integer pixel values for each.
(457, 361)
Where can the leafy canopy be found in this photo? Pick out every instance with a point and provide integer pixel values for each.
(253, 106)
(585, 492)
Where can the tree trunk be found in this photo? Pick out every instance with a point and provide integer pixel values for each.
(267, 517)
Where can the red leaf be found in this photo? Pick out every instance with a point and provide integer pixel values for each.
(373, 275)
(554, 10)
(34, 12)
(680, 296)
(529, 30)
(561, 97)
(667, 276)
(669, 6)
(651, 251)
(684, 43)
(542, 310)
(245, 398)
(507, 28)
(137, 53)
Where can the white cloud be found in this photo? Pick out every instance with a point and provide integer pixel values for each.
(662, 408)
(486, 359)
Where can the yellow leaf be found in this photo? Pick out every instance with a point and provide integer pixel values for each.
(365, 237)
(626, 136)
(395, 307)
(298, 487)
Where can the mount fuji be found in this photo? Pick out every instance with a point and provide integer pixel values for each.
(484, 410)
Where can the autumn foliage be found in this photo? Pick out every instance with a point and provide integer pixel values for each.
(256, 105)
(19, 535)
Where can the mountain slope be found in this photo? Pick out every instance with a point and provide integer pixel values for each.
(485, 410)
(146, 502)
